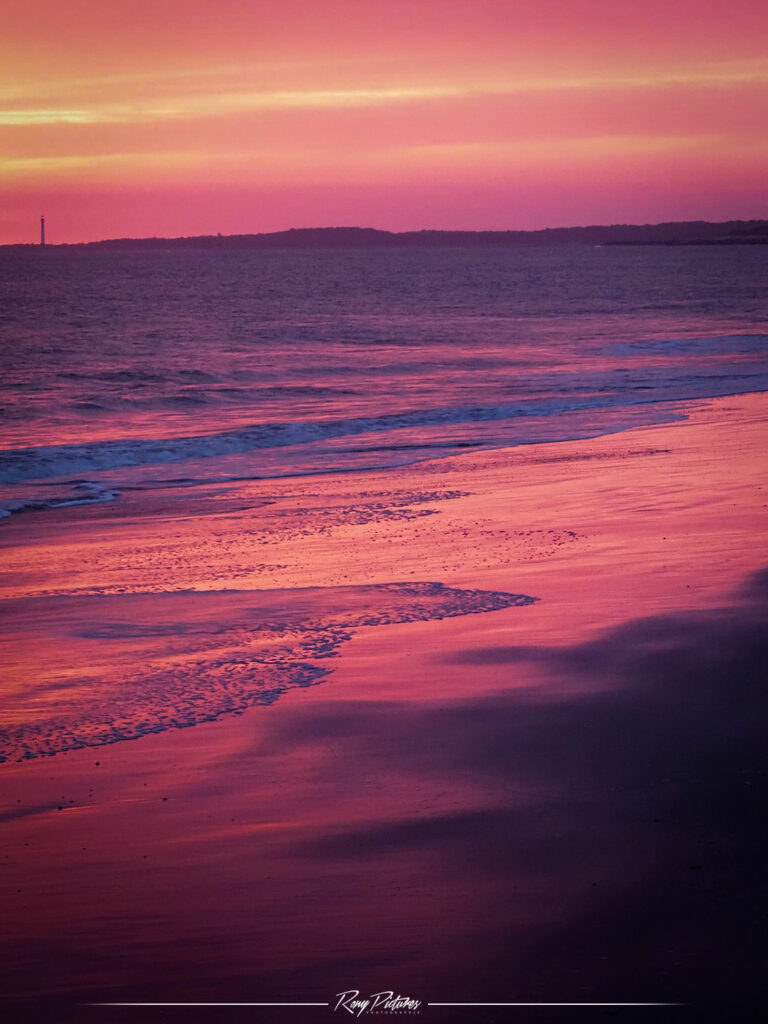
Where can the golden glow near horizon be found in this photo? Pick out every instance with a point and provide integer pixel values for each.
(469, 98)
(223, 98)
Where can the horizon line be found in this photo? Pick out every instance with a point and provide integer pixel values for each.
(410, 233)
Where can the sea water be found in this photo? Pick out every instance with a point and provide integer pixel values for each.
(141, 369)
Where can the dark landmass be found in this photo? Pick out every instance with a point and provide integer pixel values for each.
(734, 232)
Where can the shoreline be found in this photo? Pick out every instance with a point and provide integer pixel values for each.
(458, 794)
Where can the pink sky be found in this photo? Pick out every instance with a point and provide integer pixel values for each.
(178, 118)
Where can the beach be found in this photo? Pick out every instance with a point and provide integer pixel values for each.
(383, 512)
(478, 730)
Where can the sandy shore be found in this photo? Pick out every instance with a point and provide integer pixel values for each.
(557, 800)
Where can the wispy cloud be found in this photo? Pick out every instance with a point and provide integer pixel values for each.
(216, 104)
(439, 161)
(214, 94)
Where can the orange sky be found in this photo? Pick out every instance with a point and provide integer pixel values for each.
(172, 118)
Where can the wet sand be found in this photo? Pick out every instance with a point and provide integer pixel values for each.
(457, 796)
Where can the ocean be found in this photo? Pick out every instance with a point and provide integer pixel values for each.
(144, 369)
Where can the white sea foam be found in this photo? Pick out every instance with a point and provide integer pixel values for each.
(79, 493)
(220, 653)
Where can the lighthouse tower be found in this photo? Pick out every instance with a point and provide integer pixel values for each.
(42, 231)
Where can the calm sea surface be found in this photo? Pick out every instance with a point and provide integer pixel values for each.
(138, 369)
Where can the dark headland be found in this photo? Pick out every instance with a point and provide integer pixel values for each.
(734, 232)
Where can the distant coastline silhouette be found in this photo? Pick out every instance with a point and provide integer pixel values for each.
(734, 232)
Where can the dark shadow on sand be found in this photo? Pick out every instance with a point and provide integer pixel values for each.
(625, 799)
(593, 831)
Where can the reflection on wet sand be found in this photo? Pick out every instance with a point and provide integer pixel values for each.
(102, 669)
(556, 802)
(597, 846)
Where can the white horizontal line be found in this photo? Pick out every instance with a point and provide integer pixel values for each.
(428, 1004)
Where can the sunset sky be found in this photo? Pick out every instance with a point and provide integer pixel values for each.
(180, 117)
